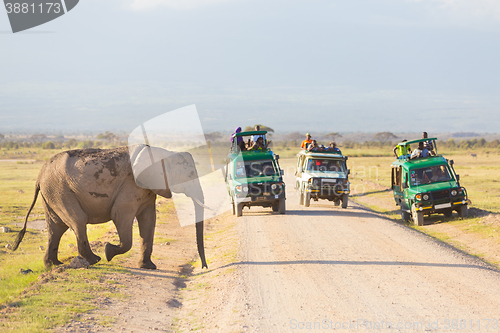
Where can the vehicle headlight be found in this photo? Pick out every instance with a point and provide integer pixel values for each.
(274, 186)
(316, 182)
(245, 188)
(426, 197)
(238, 188)
(454, 192)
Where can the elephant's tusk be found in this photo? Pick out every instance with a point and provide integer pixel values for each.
(201, 204)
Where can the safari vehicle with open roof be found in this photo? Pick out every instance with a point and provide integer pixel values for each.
(254, 177)
(322, 175)
(427, 185)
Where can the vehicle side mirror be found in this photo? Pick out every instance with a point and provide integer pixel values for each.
(405, 185)
(348, 171)
(458, 178)
(346, 157)
(282, 172)
(277, 157)
(300, 169)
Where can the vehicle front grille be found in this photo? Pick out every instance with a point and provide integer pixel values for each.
(329, 182)
(438, 195)
(258, 189)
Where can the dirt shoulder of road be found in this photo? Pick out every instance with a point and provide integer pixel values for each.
(469, 235)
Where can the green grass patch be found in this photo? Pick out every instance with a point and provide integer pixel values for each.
(58, 296)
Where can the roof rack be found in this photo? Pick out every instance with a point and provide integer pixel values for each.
(250, 133)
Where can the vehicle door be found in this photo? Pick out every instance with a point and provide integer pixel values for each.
(405, 187)
(397, 183)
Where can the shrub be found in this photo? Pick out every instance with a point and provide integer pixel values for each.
(48, 145)
(86, 144)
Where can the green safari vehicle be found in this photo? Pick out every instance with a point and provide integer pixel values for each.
(254, 177)
(427, 185)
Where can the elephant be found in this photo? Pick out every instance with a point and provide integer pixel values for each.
(91, 186)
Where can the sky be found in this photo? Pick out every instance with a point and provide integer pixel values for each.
(294, 65)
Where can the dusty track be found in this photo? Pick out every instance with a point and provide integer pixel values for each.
(322, 268)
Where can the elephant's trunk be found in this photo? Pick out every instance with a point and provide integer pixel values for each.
(199, 232)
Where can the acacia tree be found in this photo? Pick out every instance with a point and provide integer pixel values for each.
(108, 136)
(333, 135)
(262, 128)
(383, 137)
(213, 136)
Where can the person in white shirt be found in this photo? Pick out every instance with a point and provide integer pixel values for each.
(421, 151)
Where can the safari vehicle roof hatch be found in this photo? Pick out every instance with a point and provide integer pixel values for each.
(234, 147)
(406, 143)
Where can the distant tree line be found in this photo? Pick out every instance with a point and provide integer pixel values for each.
(292, 141)
(104, 140)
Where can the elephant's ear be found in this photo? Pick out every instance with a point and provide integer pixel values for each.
(148, 167)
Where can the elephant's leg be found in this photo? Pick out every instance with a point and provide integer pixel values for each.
(55, 228)
(69, 210)
(147, 224)
(123, 223)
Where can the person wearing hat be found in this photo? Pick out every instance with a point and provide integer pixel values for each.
(306, 142)
(333, 147)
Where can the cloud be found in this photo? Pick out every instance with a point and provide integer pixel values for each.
(177, 4)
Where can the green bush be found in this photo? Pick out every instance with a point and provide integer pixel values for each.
(86, 144)
(49, 145)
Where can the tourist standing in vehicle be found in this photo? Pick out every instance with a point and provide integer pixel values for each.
(259, 144)
(402, 152)
(238, 138)
(255, 137)
(333, 148)
(306, 142)
(314, 146)
(428, 144)
(421, 151)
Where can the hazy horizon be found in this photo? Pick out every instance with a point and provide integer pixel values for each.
(333, 66)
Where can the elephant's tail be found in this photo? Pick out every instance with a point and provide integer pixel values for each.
(21, 233)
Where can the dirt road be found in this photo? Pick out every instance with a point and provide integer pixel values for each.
(323, 268)
(315, 269)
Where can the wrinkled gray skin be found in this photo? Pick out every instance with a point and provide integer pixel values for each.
(91, 186)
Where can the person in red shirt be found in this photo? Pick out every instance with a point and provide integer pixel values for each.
(307, 141)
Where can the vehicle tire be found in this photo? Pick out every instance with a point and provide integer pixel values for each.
(345, 200)
(275, 207)
(418, 217)
(239, 209)
(463, 212)
(307, 199)
(281, 206)
(336, 202)
(301, 197)
(405, 216)
(448, 213)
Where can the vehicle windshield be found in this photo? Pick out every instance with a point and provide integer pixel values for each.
(325, 165)
(429, 175)
(255, 168)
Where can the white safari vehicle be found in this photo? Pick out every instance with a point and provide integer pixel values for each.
(322, 175)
